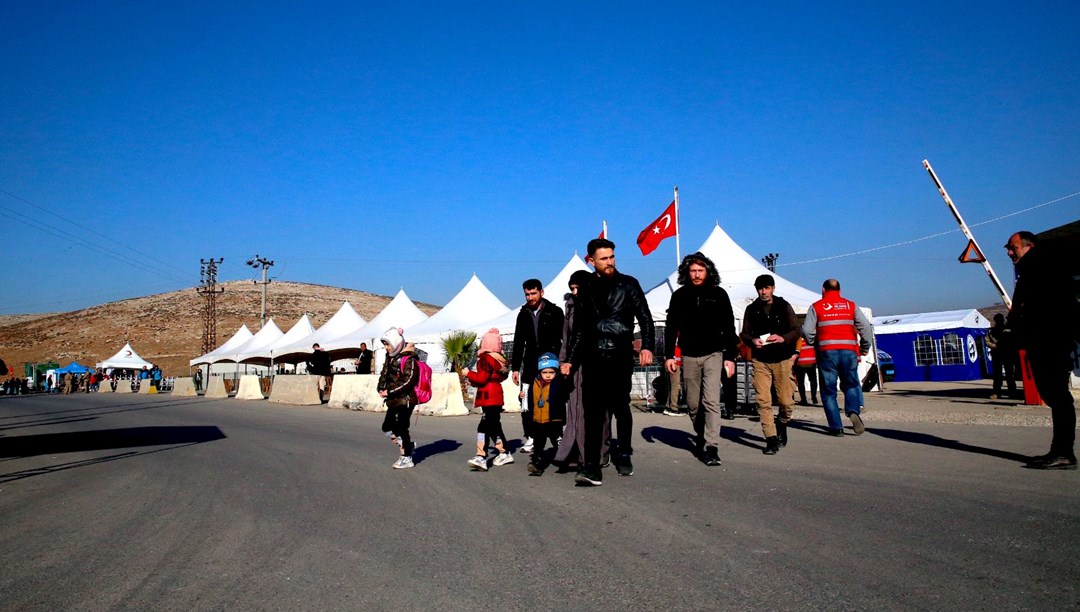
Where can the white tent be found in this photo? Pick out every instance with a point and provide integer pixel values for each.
(226, 350)
(474, 304)
(344, 321)
(400, 312)
(930, 321)
(554, 291)
(269, 334)
(127, 359)
(738, 269)
(301, 329)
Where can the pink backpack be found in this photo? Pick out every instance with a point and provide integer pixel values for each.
(423, 385)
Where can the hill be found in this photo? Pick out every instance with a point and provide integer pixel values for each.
(167, 328)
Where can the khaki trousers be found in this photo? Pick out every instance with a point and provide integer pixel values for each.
(702, 378)
(766, 377)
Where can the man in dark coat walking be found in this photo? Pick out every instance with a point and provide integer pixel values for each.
(538, 330)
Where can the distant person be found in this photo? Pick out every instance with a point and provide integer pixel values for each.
(547, 407)
(198, 380)
(840, 333)
(571, 453)
(319, 364)
(701, 327)
(771, 331)
(805, 370)
(1003, 357)
(1046, 322)
(365, 360)
(491, 371)
(397, 387)
(538, 330)
(602, 344)
(674, 376)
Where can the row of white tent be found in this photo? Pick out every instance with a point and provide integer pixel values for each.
(475, 308)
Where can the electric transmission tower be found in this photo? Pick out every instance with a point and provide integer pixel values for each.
(209, 290)
(770, 261)
(261, 262)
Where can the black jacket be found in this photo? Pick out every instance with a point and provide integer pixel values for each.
(700, 320)
(780, 321)
(319, 363)
(604, 319)
(1044, 315)
(530, 343)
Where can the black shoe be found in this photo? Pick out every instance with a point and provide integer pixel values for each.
(727, 414)
(535, 469)
(589, 476)
(802, 402)
(1059, 462)
(772, 446)
(781, 433)
(813, 400)
(624, 466)
(837, 433)
(712, 456)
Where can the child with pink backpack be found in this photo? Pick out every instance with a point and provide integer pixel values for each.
(397, 386)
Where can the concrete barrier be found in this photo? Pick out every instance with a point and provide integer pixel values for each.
(105, 386)
(123, 386)
(356, 392)
(215, 388)
(146, 387)
(445, 396)
(249, 388)
(184, 387)
(296, 389)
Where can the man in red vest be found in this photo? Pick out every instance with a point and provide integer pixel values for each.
(806, 368)
(839, 333)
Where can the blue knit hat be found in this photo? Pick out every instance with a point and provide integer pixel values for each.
(548, 360)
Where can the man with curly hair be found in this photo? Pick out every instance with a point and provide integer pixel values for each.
(701, 324)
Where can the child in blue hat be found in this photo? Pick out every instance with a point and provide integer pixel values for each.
(547, 405)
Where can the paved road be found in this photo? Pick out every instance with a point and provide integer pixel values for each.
(142, 502)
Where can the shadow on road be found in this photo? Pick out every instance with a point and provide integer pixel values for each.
(684, 440)
(420, 453)
(931, 440)
(78, 441)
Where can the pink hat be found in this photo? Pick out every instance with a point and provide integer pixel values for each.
(491, 342)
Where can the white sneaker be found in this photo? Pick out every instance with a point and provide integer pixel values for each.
(478, 463)
(404, 463)
(502, 459)
(527, 447)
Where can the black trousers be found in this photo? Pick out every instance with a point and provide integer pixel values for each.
(605, 393)
(1051, 376)
(491, 425)
(1004, 363)
(396, 422)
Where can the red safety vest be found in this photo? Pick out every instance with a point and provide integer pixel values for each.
(836, 323)
(807, 357)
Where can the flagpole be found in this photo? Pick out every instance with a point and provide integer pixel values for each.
(678, 256)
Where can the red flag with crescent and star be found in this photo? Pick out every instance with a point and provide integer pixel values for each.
(663, 227)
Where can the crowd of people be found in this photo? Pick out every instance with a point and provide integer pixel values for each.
(574, 365)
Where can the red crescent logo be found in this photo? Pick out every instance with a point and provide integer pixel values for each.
(127, 354)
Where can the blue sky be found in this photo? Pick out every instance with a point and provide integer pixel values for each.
(377, 146)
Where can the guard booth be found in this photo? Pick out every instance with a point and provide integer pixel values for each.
(935, 346)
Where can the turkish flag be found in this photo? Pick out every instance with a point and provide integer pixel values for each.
(663, 227)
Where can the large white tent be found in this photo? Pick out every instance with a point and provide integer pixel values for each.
(125, 359)
(474, 304)
(555, 292)
(400, 312)
(226, 350)
(738, 270)
(264, 355)
(344, 321)
(269, 334)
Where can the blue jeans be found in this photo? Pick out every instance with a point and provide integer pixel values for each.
(842, 365)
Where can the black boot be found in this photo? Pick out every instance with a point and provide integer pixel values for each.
(781, 433)
(772, 445)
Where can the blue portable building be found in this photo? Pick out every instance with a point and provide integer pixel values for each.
(947, 345)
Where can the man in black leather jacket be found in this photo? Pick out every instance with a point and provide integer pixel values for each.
(602, 341)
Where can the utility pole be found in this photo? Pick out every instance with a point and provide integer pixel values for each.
(770, 261)
(264, 263)
(209, 289)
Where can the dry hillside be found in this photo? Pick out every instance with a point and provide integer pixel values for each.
(167, 328)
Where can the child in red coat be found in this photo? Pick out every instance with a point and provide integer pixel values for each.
(491, 370)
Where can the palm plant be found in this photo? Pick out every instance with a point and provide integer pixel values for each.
(460, 350)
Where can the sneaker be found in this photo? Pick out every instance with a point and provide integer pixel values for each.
(837, 433)
(502, 459)
(527, 447)
(404, 463)
(856, 423)
(712, 456)
(1059, 462)
(671, 412)
(624, 466)
(535, 469)
(478, 463)
(589, 476)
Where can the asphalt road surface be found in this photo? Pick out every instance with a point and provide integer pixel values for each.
(153, 502)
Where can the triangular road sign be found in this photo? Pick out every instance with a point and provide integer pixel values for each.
(972, 254)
